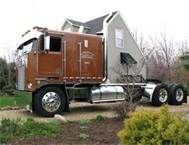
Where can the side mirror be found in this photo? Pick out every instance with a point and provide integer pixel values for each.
(47, 43)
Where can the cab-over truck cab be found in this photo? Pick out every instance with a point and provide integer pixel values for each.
(59, 66)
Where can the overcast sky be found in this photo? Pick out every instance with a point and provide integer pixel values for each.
(147, 16)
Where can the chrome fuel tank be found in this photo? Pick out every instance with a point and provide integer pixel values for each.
(107, 93)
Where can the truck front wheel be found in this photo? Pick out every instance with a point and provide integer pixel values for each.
(49, 101)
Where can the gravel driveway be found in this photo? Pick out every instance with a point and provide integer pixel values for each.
(78, 111)
(87, 111)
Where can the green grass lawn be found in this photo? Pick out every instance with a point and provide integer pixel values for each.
(20, 99)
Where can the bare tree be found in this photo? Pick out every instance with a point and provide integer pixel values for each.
(183, 47)
(132, 92)
(166, 50)
(147, 50)
(156, 66)
(161, 57)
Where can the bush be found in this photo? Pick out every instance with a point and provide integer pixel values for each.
(155, 128)
(84, 123)
(123, 110)
(9, 129)
(15, 129)
(33, 128)
(7, 74)
(100, 117)
(83, 136)
(187, 88)
(8, 90)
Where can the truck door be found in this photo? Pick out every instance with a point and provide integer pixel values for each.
(71, 58)
(91, 57)
(50, 61)
(84, 58)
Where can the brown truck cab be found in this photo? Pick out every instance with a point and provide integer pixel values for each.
(59, 66)
(55, 57)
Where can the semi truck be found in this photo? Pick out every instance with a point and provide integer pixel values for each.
(58, 67)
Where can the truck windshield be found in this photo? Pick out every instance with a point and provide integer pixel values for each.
(28, 46)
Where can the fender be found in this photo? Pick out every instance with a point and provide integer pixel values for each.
(149, 90)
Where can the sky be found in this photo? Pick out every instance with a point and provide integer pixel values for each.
(149, 17)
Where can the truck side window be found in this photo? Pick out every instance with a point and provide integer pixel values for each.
(29, 45)
(55, 44)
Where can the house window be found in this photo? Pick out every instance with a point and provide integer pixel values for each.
(119, 39)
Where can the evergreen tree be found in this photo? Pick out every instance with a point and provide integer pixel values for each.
(7, 76)
(185, 60)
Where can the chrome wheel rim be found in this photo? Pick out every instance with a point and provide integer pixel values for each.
(51, 102)
(163, 95)
(179, 95)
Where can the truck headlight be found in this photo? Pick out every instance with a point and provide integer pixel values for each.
(29, 85)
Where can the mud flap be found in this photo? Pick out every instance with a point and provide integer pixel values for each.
(67, 108)
(138, 95)
(33, 100)
(185, 99)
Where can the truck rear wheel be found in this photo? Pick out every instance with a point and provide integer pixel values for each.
(177, 95)
(49, 101)
(160, 95)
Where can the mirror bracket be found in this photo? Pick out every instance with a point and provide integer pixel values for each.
(46, 43)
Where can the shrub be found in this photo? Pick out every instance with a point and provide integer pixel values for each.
(8, 90)
(83, 136)
(100, 117)
(123, 110)
(15, 129)
(33, 128)
(84, 123)
(157, 128)
(9, 129)
(7, 74)
(187, 88)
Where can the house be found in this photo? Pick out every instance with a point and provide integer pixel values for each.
(123, 54)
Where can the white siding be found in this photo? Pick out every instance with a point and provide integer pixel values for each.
(130, 46)
(69, 28)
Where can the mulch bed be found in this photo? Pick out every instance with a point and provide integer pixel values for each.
(100, 133)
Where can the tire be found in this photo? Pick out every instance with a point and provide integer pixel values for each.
(160, 95)
(33, 102)
(169, 89)
(49, 101)
(177, 94)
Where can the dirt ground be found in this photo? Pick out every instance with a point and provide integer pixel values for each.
(99, 133)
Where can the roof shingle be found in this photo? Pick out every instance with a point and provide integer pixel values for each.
(95, 25)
